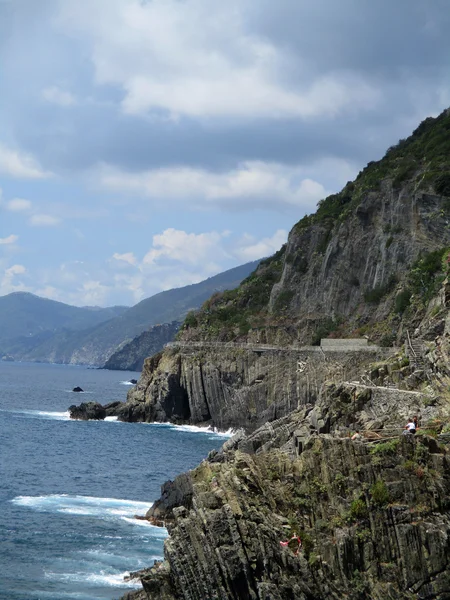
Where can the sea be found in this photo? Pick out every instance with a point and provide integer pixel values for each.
(70, 490)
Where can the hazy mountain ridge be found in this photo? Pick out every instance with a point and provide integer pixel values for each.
(131, 356)
(57, 334)
(23, 315)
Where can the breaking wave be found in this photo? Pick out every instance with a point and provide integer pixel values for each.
(211, 431)
(87, 506)
(42, 414)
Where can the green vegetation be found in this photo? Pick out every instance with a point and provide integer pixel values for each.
(428, 272)
(442, 184)
(375, 295)
(385, 448)
(379, 493)
(402, 301)
(424, 158)
(283, 300)
(234, 312)
(323, 330)
(421, 162)
(358, 509)
(191, 320)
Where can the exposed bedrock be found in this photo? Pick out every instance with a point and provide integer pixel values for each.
(235, 387)
(372, 526)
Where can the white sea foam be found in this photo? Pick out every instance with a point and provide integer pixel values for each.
(102, 578)
(101, 556)
(111, 419)
(85, 506)
(127, 383)
(43, 414)
(211, 431)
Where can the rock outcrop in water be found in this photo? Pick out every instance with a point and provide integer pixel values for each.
(88, 411)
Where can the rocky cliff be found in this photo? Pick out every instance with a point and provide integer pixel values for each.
(131, 356)
(367, 263)
(372, 514)
(294, 508)
(237, 386)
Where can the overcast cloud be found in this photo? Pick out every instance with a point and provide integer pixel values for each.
(131, 129)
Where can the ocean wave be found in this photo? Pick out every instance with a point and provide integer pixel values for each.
(211, 431)
(102, 578)
(84, 505)
(101, 556)
(126, 383)
(111, 419)
(42, 414)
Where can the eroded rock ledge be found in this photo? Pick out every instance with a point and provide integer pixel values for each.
(374, 519)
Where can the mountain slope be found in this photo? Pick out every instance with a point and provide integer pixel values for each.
(24, 314)
(368, 262)
(131, 356)
(355, 263)
(94, 345)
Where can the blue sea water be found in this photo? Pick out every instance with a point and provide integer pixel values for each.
(69, 490)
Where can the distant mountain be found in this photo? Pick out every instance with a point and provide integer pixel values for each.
(24, 315)
(95, 342)
(131, 357)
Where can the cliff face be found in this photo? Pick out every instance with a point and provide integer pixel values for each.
(373, 519)
(131, 356)
(366, 263)
(373, 514)
(236, 386)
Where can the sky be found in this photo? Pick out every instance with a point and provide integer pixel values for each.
(150, 144)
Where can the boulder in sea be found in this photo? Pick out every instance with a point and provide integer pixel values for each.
(133, 381)
(87, 411)
(77, 389)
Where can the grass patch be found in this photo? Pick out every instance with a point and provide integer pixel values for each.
(379, 493)
(388, 448)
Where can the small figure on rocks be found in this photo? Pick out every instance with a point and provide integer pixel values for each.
(356, 435)
(410, 427)
(294, 544)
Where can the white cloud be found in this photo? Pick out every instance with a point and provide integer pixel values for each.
(56, 95)
(11, 239)
(185, 248)
(197, 58)
(18, 205)
(20, 165)
(40, 220)
(252, 184)
(251, 249)
(127, 257)
(9, 283)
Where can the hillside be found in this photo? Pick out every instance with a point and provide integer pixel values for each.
(24, 315)
(131, 357)
(367, 263)
(94, 343)
(293, 507)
